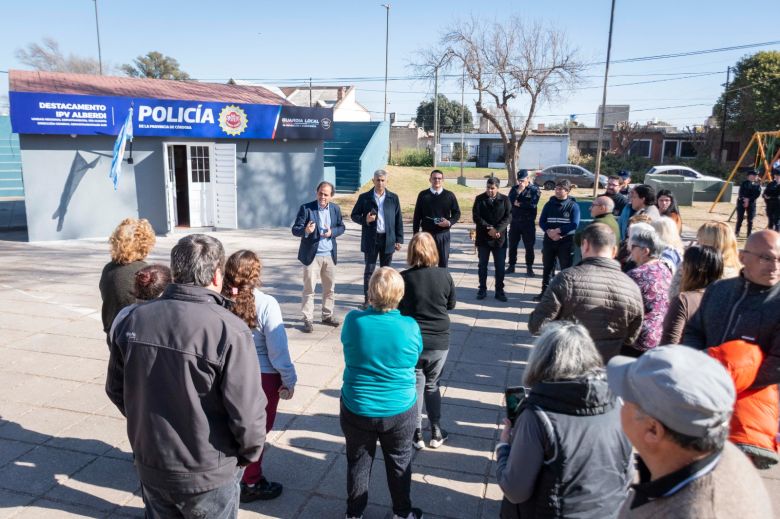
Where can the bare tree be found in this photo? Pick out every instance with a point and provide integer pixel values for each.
(704, 140)
(504, 63)
(624, 133)
(48, 56)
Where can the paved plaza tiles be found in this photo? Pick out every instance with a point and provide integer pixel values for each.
(63, 447)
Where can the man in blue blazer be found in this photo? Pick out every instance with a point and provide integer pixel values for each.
(379, 213)
(318, 224)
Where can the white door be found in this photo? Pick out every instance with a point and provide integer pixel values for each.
(200, 195)
(224, 186)
(170, 186)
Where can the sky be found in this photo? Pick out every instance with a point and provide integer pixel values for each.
(283, 43)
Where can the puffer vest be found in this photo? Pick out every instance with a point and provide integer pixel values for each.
(587, 467)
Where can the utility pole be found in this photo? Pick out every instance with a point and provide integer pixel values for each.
(599, 146)
(462, 117)
(97, 29)
(723, 120)
(387, 47)
(435, 114)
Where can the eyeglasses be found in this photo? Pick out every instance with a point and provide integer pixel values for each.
(763, 259)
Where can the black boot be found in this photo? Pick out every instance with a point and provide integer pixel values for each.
(529, 271)
(510, 269)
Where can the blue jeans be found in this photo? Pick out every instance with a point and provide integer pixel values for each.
(395, 436)
(218, 503)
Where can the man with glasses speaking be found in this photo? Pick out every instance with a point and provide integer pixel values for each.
(746, 307)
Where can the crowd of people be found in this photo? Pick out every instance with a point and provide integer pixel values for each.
(662, 359)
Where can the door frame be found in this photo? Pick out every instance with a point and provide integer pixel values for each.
(170, 198)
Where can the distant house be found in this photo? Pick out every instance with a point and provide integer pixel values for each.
(406, 135)
(585, 141)
(341, 98)
(486, 150)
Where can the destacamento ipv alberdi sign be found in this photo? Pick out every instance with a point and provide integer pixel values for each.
(63, 114)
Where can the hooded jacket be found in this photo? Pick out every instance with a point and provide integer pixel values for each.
(569, 456)
(754, 422)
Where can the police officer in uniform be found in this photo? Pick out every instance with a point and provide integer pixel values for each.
(524, 197)
(772, 200)
(749, 191)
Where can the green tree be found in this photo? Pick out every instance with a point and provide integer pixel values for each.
(753, 96)
(449, 115)
(155, 65)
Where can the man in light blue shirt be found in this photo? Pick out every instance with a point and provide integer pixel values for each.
(318, 224)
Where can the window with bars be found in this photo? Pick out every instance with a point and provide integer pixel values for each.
(199, 162)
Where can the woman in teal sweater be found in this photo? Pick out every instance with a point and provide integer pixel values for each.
(381, 349)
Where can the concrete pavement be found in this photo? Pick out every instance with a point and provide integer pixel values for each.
(63, 446)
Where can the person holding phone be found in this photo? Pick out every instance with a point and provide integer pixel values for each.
(541, 467)
(318, 224)
(378, 212)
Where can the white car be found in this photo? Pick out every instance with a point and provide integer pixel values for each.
(684, 171)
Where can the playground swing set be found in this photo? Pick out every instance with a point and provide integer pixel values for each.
(767, 143)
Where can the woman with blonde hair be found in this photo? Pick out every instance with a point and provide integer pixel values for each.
(429, 293)
(378, 396)
(262, 314)
(131, 242)
(720, 237)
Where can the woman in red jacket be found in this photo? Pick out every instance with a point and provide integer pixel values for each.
(754, 423)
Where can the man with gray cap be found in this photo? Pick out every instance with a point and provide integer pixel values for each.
(524, 197)
(677, 403)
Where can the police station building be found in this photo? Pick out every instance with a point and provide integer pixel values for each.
(203, 155)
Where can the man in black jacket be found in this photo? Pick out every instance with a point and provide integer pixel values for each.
(749, 191)
(524, 197)
(378, 211)
(746, 307)
(435, 212)
(491, 213)
(183, 370)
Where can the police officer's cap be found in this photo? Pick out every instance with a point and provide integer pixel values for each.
(522, 174)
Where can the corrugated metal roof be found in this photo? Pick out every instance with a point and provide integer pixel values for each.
(87, 84)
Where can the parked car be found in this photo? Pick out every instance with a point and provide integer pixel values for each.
(684, 171)
(577, 175)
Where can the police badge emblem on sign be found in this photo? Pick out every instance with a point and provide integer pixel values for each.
(232, 120)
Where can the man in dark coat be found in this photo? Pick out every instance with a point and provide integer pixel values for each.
(746, 307)
(613, 192)
(749, 191)
(491, 213)
(524, 197)
(378, 211)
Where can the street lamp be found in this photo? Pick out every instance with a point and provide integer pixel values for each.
(97, 29)
(387, 42)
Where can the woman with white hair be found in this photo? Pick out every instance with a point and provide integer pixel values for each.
(653, 278)
(542, 467)
(673, 252)
(378, 396)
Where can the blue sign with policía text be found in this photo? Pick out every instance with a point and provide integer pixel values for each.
(64, 114)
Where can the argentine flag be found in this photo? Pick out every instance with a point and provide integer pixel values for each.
(125, 134)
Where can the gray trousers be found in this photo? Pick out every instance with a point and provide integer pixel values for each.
(219, 503)
(429, 369)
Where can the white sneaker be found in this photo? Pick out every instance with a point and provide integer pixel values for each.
(416, 513)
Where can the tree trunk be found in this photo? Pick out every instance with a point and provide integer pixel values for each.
(511, 157)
